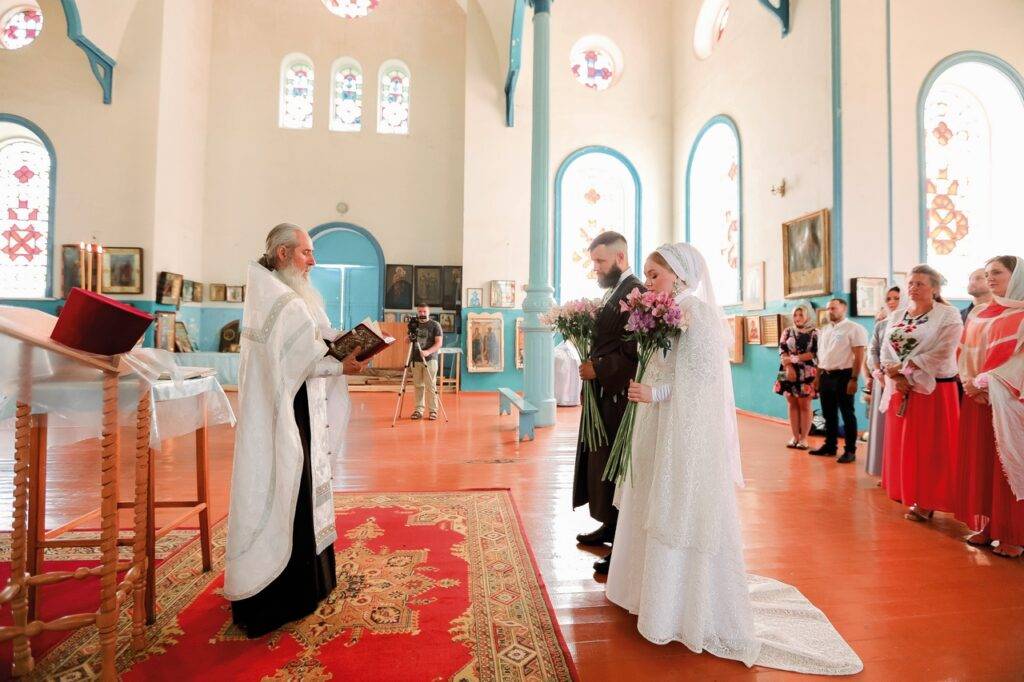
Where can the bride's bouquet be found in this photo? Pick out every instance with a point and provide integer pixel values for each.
(575, 321)
(654, 321)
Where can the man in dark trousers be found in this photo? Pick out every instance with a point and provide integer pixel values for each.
(611, 365)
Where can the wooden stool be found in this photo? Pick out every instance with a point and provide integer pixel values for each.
(30, 434)
(455, 381)
(39, 539)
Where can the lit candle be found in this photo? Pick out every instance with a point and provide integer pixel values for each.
(81, 265)
(99, 268)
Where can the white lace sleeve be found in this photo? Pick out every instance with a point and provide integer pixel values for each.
(327, 367)
(660, 394)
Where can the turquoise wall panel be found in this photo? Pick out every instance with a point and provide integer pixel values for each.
(491, 381)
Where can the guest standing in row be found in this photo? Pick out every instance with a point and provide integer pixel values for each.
(991, 445)
(876, 382)
(841, 347)
(979, 291)
(798, 348)
(923, 413)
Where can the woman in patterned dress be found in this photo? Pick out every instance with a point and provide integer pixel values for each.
(921, 400)
(798, 349)
(875, 381)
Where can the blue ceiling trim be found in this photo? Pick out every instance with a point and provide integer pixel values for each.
(100, 63)
(515, 50)
(781, 13)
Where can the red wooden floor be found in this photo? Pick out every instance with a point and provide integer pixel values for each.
(914, 601)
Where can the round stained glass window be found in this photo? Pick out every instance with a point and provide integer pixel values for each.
(710, 27)
(595, 62)
(351, 8)
(21, 26)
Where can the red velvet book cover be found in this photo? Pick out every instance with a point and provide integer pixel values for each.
(95, 323)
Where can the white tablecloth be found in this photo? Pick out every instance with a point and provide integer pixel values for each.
(74, 409)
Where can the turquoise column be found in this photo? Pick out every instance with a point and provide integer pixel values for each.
(539, 375)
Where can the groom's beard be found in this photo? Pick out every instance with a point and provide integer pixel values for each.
(299, 282)
(611, 278)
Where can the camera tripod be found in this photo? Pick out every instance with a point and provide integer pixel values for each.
(405, 379)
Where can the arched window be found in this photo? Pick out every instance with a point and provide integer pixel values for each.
(393, 98)
(351, 8)
(296, 107)
(713, 220)
(346, 95)
(710, 27)
(596, 189)
(596, 62)
(26, 199)
(20, 26)
(971, 122)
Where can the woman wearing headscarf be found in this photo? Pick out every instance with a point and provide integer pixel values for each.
(876, 381)
(921, 400)
(678, 560)
(798, 349)
(991, 480)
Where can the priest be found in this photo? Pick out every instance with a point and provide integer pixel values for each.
(294, 410)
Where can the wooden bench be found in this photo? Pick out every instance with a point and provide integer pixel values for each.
(507, 399)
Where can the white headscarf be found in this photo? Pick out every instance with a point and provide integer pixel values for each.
(1014, 297)
(690, 266)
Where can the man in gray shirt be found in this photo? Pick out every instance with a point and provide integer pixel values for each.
(429, 339)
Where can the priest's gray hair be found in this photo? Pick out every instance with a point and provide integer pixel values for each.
(285, 235)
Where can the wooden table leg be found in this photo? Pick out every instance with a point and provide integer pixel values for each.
(36, 507)
(203, 490)
(151, 537)
(106, 619)
(23, 662)
(141, 548)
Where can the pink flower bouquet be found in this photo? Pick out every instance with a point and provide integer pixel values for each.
(654, 321)
(575, 321)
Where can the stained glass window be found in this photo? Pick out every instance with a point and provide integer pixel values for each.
(713, 196)
(597, 193)
(351, 8)
(25, 210)
(296, 107)
(21, 26)
(593, 67)
(347, 97)
(973, 127)
(393, 99)
(712, 21)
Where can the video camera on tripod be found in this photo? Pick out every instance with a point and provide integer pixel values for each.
(413, 327)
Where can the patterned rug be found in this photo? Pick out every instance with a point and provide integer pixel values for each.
(431, 586)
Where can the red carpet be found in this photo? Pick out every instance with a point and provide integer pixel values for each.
(431, 586)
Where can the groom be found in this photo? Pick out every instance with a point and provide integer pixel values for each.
(612, 363)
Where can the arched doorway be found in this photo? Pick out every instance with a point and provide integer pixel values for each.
(349, 273)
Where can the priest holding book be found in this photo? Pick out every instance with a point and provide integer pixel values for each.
(293, 414)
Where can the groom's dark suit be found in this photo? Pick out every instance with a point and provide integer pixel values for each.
(615, 363)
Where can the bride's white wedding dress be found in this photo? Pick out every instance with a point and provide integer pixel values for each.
(678, 559)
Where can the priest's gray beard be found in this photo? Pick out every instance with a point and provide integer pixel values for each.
(299, 282)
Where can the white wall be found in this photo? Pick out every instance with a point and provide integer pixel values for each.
(407, 190)
(778, 92)
(633, 116)
(105, 153)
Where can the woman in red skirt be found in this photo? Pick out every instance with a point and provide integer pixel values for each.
(991, 480)
(921, 402)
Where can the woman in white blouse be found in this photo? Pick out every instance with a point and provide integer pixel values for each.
(921, 400)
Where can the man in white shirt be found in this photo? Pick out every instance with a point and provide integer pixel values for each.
(841, 347)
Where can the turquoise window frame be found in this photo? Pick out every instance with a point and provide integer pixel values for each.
(952, 60)
(638, 212)
(38, 132)
(720, 119)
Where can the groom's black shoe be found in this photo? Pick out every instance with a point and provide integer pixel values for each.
(596, 538)
(823, 451)
(847, 457)
(601, 567)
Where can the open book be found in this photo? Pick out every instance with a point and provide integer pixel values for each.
(366, 335)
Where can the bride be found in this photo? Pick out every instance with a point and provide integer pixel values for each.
(678, 560)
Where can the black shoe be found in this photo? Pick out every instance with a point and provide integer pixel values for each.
(601, 567)
(846, 458)
(823, 451)
(596, 538)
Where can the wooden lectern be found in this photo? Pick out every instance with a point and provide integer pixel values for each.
(112, 593)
